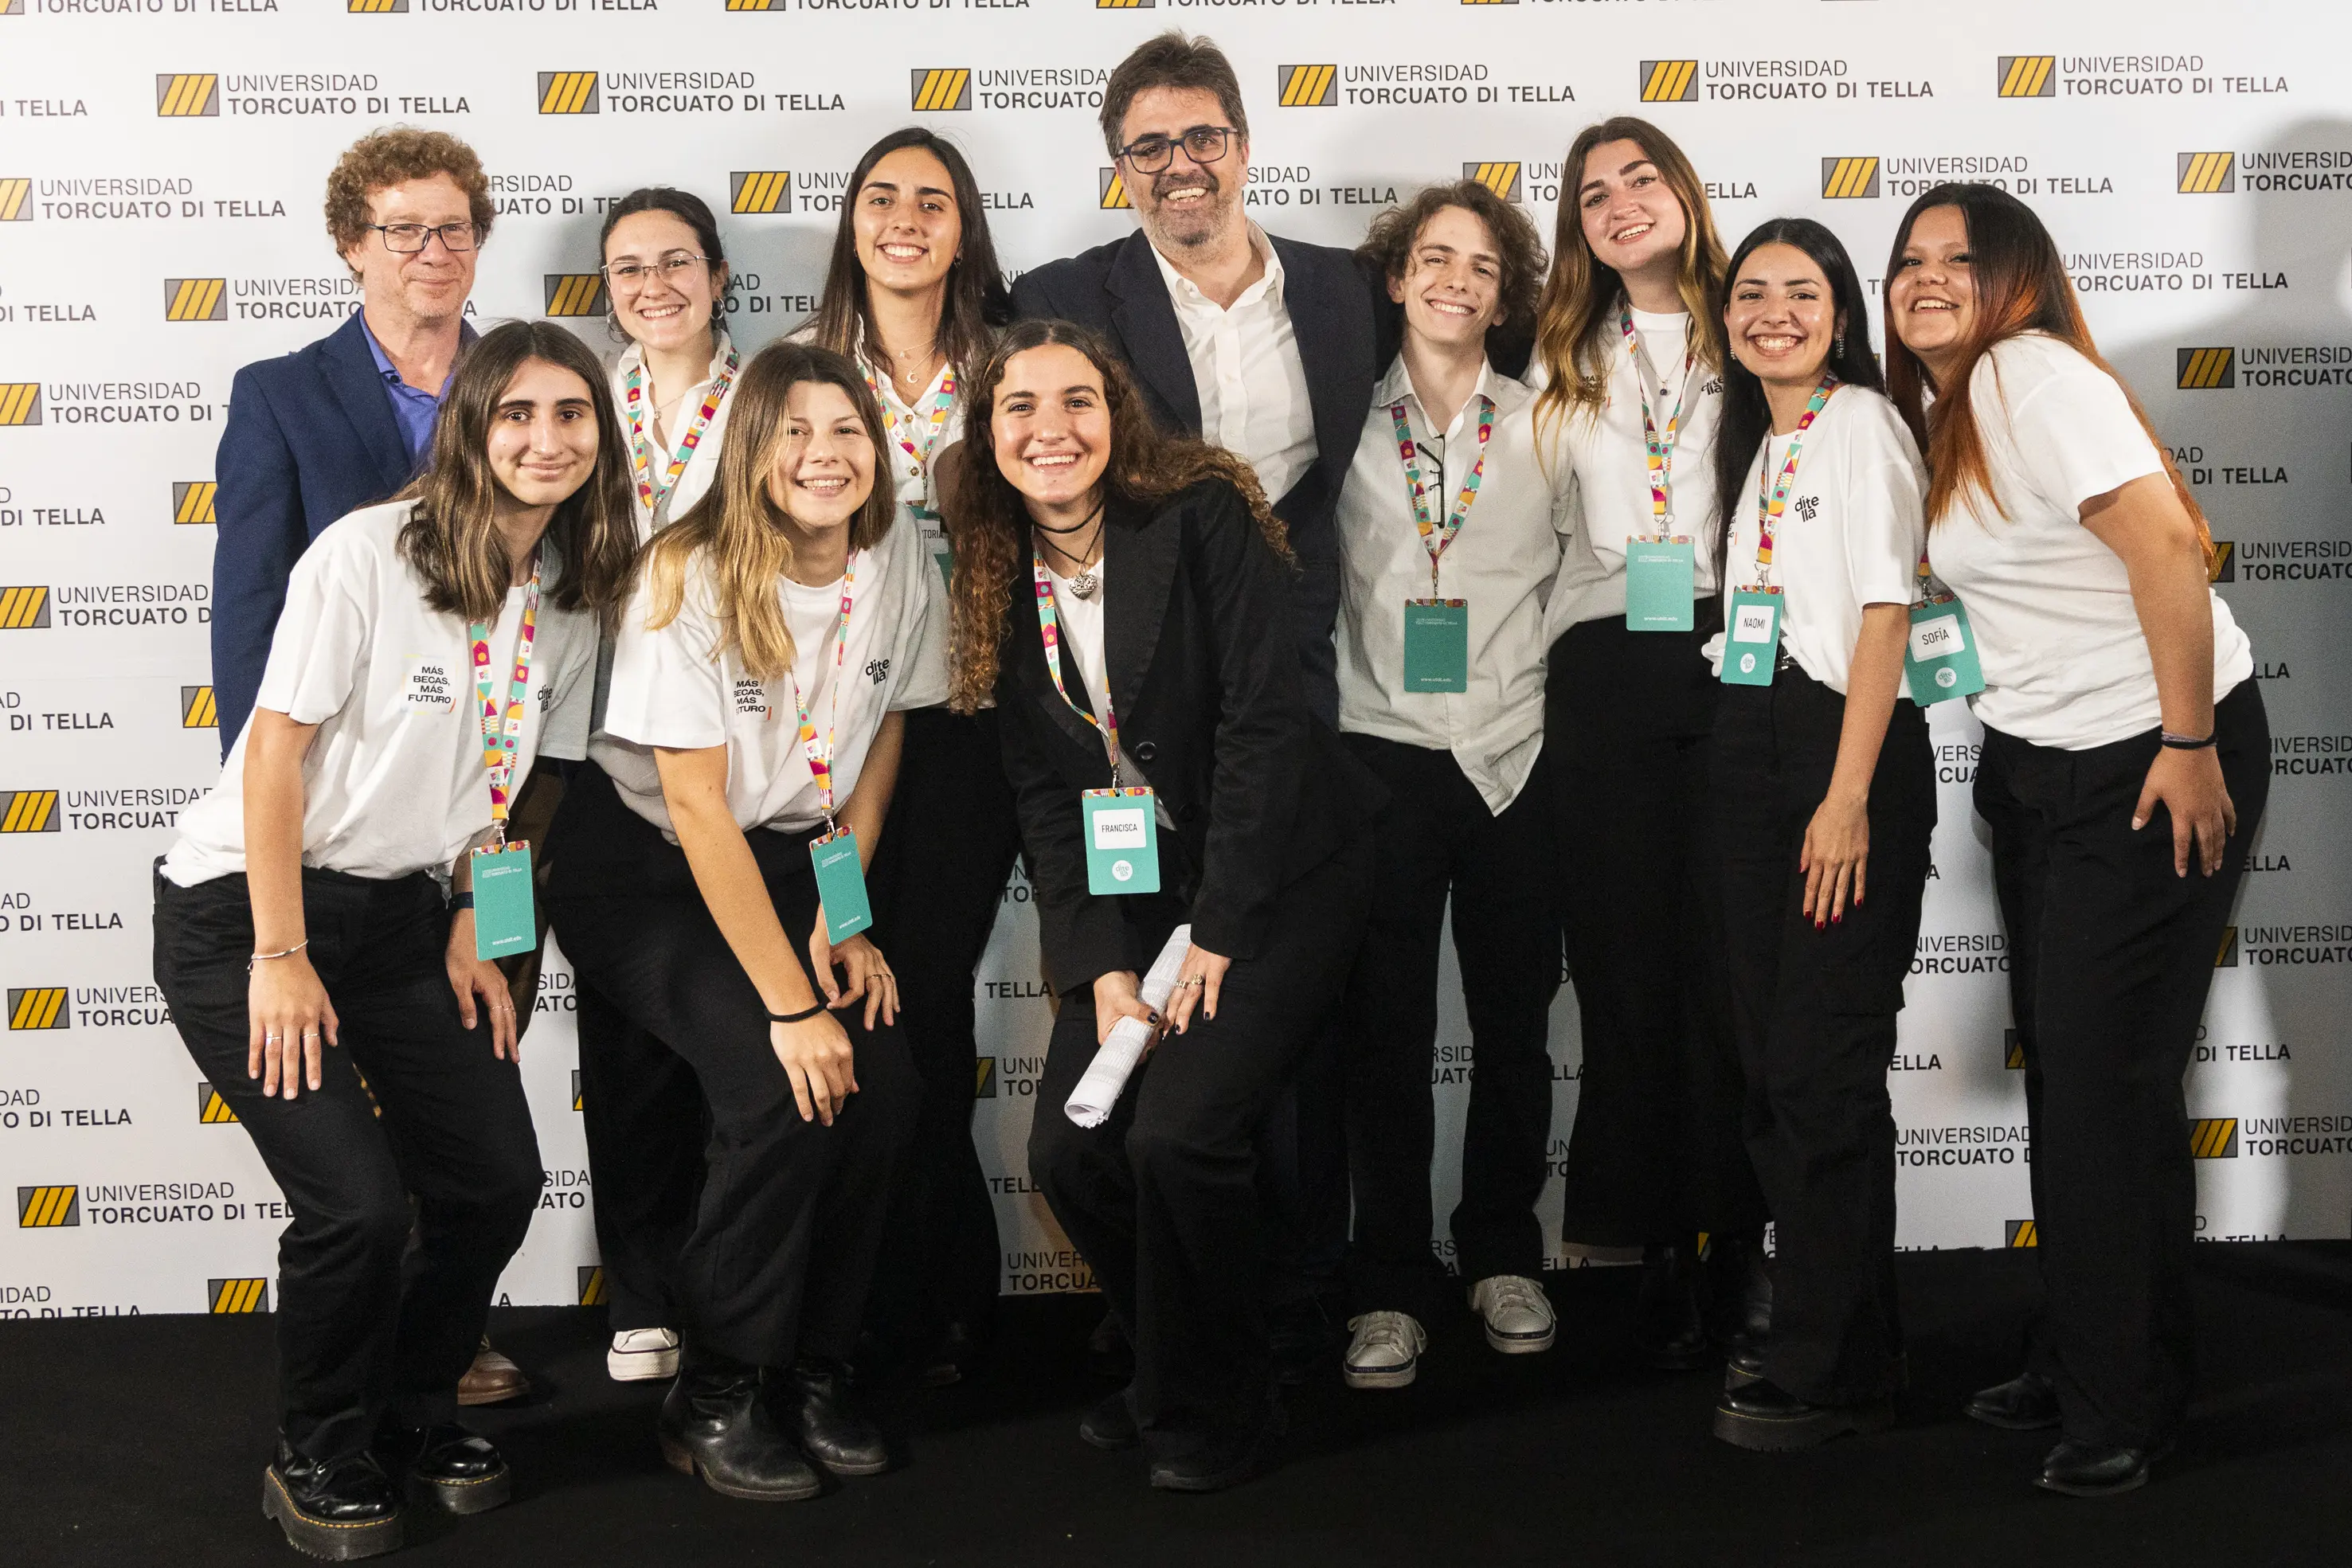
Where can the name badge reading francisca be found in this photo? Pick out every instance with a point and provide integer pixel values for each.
(1660, 580)
(429, 684)
(1939, 661)
(1122, 841)
(1751, 637)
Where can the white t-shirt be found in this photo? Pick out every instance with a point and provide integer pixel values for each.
(1080, 621)
(668, 690)
(2066, 663)
(1849, 535)
(701, 468)
(393, 783)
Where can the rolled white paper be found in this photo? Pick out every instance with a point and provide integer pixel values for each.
(1098, 1089)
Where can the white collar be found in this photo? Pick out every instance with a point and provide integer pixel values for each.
(1397, 387)
(1269, 286)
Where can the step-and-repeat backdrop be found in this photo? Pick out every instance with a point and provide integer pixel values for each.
(162, 165)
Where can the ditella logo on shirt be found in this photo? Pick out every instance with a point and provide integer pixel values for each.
(1503, 178)
(575, 293)
(195, 300)
(2027, 75)
(187, 95)
(760, 191)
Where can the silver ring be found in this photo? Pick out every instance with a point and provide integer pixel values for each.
(272, 1039)
(1193, 980)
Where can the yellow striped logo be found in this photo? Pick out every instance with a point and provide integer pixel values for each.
(577, 1101)
(2012, 1049)
(2206, 370)
(376, 7)
(192, 500)
(20, 402)
(195, 300)
(1669, 81)
(2022, 1233)
(1110, 190)
(238, 1295)
(762, 190)
(23, 608)
(12, 7)
(1847, 178)
(568, 92)
(1125, 5)
(38, 1006)
(2028, 76)
(1309, 86)
(592, 1284)
(575, 293)
(29, 812)
(15, 201)
(2213, 1137)
(1490, 2)
(211, 1109)
(2207, 173)
(2221, 566)
(196, 708)
(2226, 956)
(186, 97)
(984, 1079)
(756, 5)
(47, 1207)
(940, 86)
(1503, 178)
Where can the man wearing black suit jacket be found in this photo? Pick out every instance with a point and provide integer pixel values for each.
(1263, 345)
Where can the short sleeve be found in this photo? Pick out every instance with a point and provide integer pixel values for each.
(2072, 426)
(1886, 520)
(324, 631)
(668, 689)
(563, 731)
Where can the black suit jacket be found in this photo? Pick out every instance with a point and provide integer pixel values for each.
(1117, 290)
(1205, 684)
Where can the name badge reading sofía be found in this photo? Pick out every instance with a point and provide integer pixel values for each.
(1122, 841)
(840, 884)
(1437, 644)
(506, 920)
(1660, 580)
(1751, 637)
(1941, 659)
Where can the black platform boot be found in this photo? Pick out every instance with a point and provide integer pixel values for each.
(714, 1425)
(341, 1509)
(454, 1470)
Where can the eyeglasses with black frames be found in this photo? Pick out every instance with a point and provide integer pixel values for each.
(1203, 144)
(407, 239)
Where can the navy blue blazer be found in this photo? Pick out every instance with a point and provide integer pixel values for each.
(309, 436)
(1117, 289)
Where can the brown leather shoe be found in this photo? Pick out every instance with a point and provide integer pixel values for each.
(492, 1379)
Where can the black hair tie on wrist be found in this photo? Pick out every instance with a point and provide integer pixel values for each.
(800, 1016)
(2185, 742)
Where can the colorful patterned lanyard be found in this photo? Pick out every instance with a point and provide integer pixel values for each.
(502, 732)
(1768, 506)
(918, 457)
(1049, 630)
(1661, 452)
(1409, 454)
(820, 763)
(641, 449)
(1931, 587)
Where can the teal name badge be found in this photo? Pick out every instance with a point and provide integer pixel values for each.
(1437, 644)
(1661, 579)
(933, 528)
(840, 884)
(1940, 659)
(1122, 841)
(1751, 638)
(505, 920)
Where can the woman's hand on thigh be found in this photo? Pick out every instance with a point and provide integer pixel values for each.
(816, 1057)
(471, 977)
(287, 1012)
(869, 976)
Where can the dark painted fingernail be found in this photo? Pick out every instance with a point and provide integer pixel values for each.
(1837, 919)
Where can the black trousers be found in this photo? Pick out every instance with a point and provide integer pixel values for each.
(1657, 1151)
(2111, 957)
(781, 1251)
(1436, 838)
(640, 1110)
(367, 1326)
(938, 882)
(1162, 1198)
(1814, 1012)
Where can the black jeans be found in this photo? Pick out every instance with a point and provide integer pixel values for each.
(938, 882)
(781, 1250)
(1162, 1198)
(2111, 957)
(1657, 1151)
(1814, 1011)
(362, 1331)
(1437, 837)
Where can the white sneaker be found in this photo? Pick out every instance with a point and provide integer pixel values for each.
(1519, 1314)
(1385, 1352)
(643, 1356)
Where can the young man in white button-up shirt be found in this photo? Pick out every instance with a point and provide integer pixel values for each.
(1451, 530)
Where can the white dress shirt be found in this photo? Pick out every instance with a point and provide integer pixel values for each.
(1503, 561)
(1246, 371)
(701, 468)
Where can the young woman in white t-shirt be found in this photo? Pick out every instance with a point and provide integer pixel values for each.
(431, 650)
(1824, 798)
(2124, 772)
(775, 635)
(1629, 352)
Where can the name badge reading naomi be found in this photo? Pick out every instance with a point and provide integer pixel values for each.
(1660, 580)
(1940, 659)
(840, 884)
(1437, 644)
(506, 920)
(1751, 638)
(1122, 841)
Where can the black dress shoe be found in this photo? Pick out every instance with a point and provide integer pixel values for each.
(1744, 1366)
(1111, 1423)
(1767, 1418)
(1109, 1352)
(2095, 1470)
(1668, 1326)
(817, 1404)
(1225, 1459)
(456, 1470)
(714, 1425)
(2026, 1402)
(341, 1509)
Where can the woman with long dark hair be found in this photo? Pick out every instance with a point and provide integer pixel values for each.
(914, 296)
(2124, 769)
(1824, 800)
(1120, 593)
(316, 922)
(1628, 347)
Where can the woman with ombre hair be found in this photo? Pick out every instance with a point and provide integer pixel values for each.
(2124, 773)
(1628, 351)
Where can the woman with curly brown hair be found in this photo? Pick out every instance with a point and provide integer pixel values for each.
(1121, 592)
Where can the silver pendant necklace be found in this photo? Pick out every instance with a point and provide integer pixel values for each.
(1087, 581)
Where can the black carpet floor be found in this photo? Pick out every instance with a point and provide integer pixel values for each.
(141, 1441)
